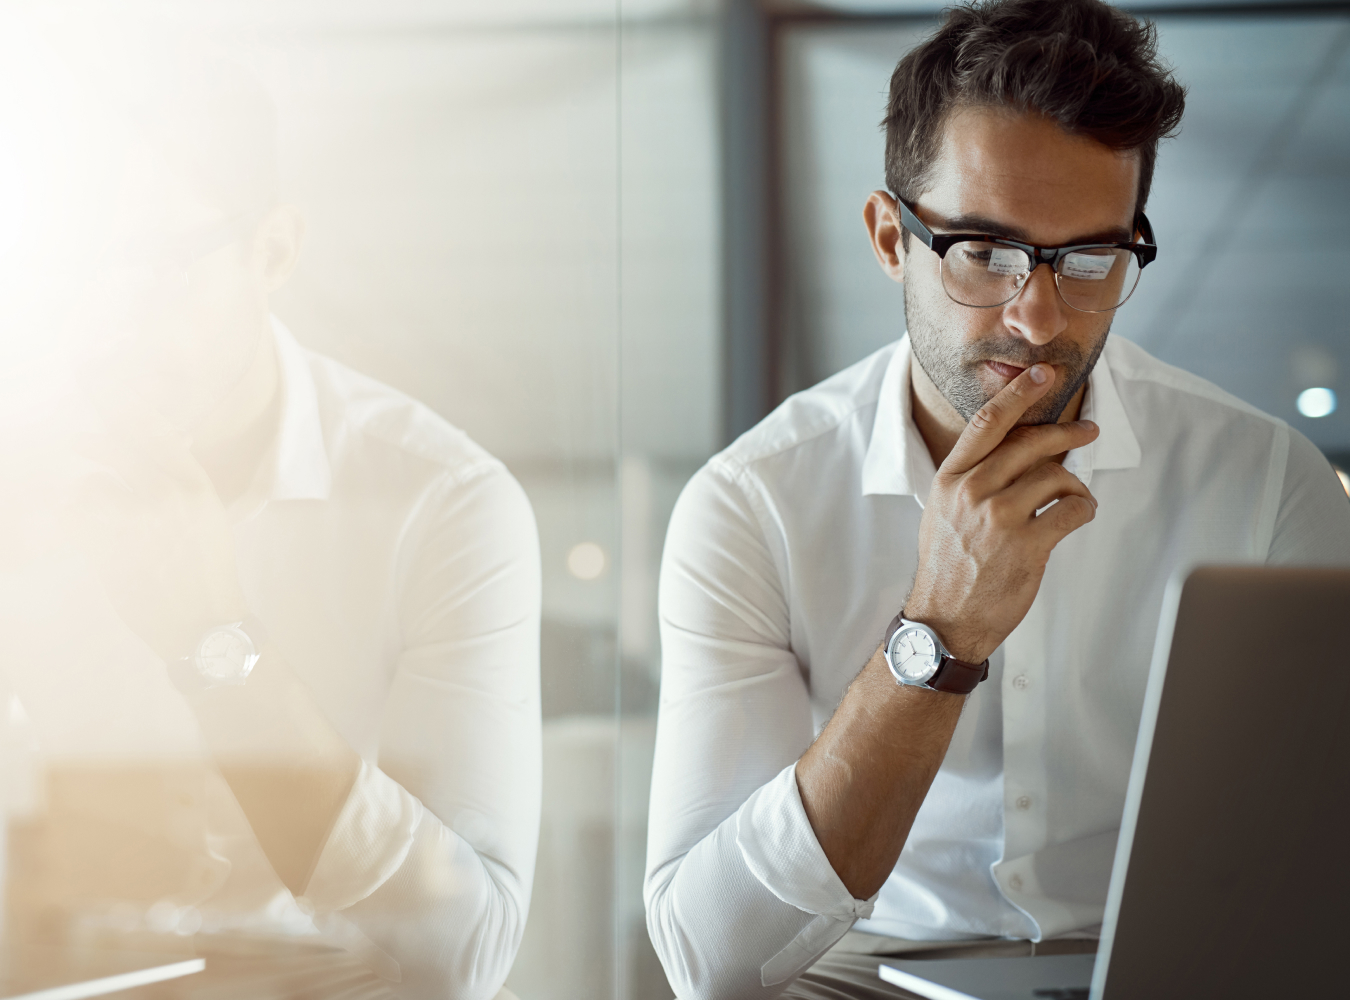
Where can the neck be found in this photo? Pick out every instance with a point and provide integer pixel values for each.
(937, 420)
(233, 438)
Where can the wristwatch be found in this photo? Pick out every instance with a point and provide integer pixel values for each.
(917, 658)
(224, 656)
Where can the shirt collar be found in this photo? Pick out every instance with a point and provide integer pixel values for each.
(1116, 446)
(897, 462)
(297, 466)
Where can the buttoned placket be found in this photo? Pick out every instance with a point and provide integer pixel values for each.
(897, 461)
(1024, 762)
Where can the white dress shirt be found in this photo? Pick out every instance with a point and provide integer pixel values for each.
(395, 567)
(788, 554)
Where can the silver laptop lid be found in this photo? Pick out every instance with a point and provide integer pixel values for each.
(1231, 875)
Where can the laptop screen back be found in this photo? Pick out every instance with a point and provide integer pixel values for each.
(1232, 875)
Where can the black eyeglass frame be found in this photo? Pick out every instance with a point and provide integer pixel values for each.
(1145, 252)
(181, 252)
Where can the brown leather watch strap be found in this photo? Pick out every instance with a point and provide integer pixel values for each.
(958, 677)
(953, 676)
(891, 629)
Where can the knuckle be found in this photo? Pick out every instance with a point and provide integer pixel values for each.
(1066, 439)
(1079, 509)
(1076, 433)
(985, 418)
(1050, 475)
(965, 493)
(1062, 475)
(1001, 510)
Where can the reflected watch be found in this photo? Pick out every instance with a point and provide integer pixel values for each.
(224, 656)
(917, 658)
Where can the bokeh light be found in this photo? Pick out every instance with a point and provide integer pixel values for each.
(1317, 402)
(586, 561)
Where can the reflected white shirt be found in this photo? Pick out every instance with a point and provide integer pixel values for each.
(395, 566)
(787, 555)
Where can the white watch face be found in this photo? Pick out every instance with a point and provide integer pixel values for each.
(914, 655)
(226, 655)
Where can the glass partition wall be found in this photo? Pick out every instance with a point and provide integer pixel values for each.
(429, 521)
(352, 358)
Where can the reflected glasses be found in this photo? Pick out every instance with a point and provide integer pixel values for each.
(983, 271)
(150, 259)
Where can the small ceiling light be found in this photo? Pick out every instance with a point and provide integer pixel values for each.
(1317, 402)
(586, 561)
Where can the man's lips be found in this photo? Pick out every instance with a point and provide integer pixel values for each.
(1005, 371)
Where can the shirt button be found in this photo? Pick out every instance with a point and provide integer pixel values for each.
(1024, 802)
(1021, 682)
(1015, 882)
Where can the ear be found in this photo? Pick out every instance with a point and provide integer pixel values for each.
(883, 228)
(276, 244)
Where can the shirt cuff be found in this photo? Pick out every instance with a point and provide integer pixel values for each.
(368, 843)
(781, 850)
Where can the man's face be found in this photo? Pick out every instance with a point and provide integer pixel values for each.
(174, 319)
(1022, 177)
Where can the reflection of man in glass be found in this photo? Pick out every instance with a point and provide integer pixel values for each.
(344, 587)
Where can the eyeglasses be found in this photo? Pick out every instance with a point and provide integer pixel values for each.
(983, 271)
(151, 259)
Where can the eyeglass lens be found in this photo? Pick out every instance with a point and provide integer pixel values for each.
(987, 274)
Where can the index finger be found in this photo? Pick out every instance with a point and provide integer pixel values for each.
(992, 421)
(142, 429)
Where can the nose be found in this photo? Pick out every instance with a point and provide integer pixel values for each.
(1037, 313)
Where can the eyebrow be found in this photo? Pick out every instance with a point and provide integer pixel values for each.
(983, 226)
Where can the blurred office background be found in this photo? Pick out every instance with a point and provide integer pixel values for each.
(604, 238)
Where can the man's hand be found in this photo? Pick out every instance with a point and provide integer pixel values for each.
(148, 520)
(982, 546)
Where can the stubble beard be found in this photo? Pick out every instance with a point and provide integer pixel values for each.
(956, 369)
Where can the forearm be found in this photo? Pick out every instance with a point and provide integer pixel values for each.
(864, 778)
(288, 768)
(448, 913)
(982, 553)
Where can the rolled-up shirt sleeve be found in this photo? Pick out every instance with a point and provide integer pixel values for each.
(432, 856)
(740, 896)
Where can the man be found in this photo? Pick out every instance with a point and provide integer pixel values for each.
(343, 589)
(1005, 482)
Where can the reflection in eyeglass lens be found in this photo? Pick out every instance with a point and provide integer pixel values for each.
(987, 274)
(1097, 280)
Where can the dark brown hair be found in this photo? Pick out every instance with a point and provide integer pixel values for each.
(1090, 68)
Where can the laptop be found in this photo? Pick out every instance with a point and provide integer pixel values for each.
(1232, 871)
